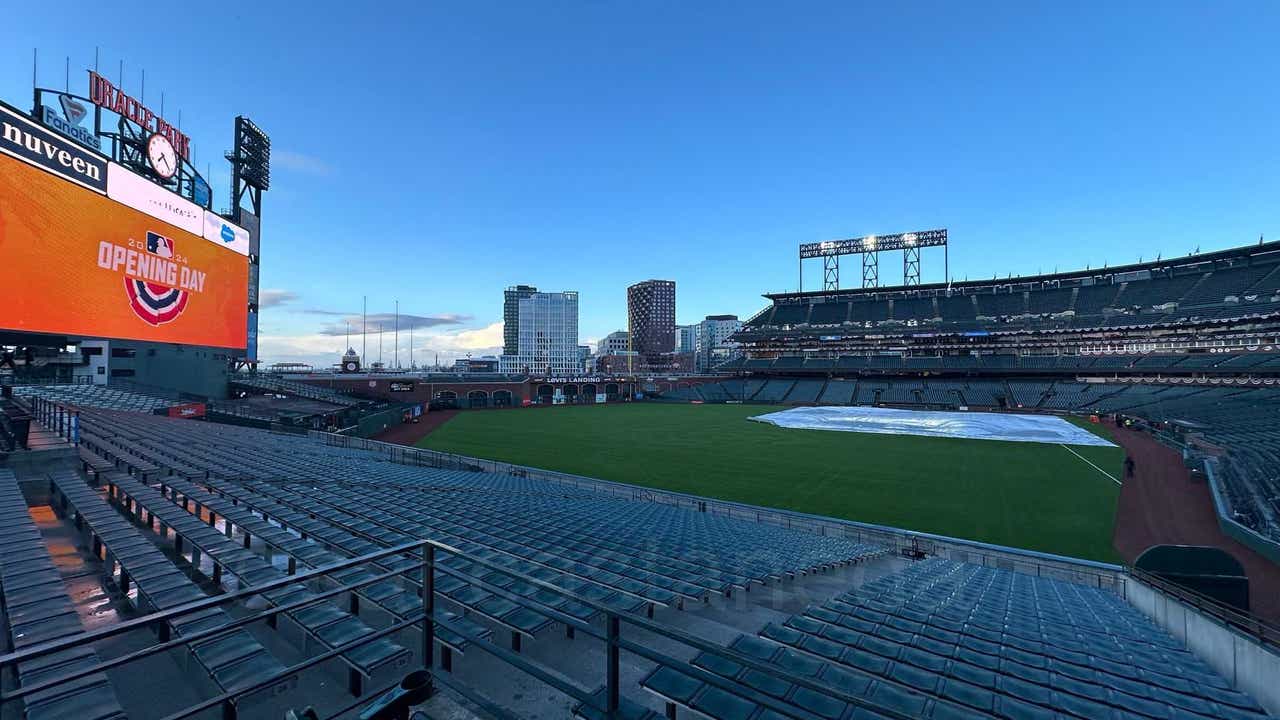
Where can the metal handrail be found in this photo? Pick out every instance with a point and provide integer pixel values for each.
(227, 699)
(1244, 621)
(611, 635)
(162, 616)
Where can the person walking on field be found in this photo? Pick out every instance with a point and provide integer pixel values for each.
(1128, 466)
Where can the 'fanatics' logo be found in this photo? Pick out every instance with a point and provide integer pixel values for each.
(157, 280)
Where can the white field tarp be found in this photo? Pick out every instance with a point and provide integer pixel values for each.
(930, 423)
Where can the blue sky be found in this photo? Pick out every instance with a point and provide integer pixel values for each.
(436, 153)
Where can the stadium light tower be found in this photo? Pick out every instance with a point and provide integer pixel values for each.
(870, 247)
(250, 166)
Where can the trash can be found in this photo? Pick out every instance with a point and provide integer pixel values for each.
(20, 426)
(15, 424)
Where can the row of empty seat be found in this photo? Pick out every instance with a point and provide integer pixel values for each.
(943, 639)
(152, 582)
(285, 386)
(95, 396)
(626, 555)
(940, 640)
(37, 610)
(323, 624)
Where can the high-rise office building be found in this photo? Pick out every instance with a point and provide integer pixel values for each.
(511, 316)
(651, 315)
(686, 338)
(547, 336)
(712, 345)
(615, 343)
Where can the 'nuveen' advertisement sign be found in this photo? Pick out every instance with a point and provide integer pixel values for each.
(25, 140)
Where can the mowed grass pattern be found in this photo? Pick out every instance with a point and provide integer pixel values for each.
(1028, 495)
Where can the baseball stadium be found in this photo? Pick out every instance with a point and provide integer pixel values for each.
(1049, 496)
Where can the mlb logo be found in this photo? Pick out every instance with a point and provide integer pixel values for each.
(159, 245)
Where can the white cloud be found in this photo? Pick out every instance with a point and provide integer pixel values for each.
(322, 351)
(485, 338)
(387, 321)
(272, 298)
(302, 163)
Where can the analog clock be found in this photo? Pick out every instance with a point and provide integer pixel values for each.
(162, 156)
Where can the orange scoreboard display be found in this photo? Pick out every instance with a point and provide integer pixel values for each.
(75, 262)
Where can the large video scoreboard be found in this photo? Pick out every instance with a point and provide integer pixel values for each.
(89, 248)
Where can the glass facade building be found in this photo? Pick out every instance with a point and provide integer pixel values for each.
(546, 335)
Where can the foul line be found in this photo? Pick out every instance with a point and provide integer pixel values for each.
(1095, 467)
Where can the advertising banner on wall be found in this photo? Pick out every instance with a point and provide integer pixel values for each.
(68, 118)
(22, 139)
(78, 263)
(145, 196)
(187, 410)
(401, 386)
(219, 230)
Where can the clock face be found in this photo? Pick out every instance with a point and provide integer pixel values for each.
(351, 367)
(162, 156)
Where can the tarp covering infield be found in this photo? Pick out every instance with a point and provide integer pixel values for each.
(930, 423)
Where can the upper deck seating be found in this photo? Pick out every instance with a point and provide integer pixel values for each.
(957, 308)
(867, 310)
(1146, 294)
(1092, 299)
(918, 309)
(1229, 282)
(1001, 303)
(790, 314)
(829, 313)
(1051, 301)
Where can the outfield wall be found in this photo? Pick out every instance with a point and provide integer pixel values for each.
(1246, 536)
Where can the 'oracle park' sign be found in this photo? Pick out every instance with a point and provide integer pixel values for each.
(105, 95)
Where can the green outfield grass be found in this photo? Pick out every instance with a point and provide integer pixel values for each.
(1029, 495)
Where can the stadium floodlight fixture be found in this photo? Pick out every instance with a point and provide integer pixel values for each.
(874, 243)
